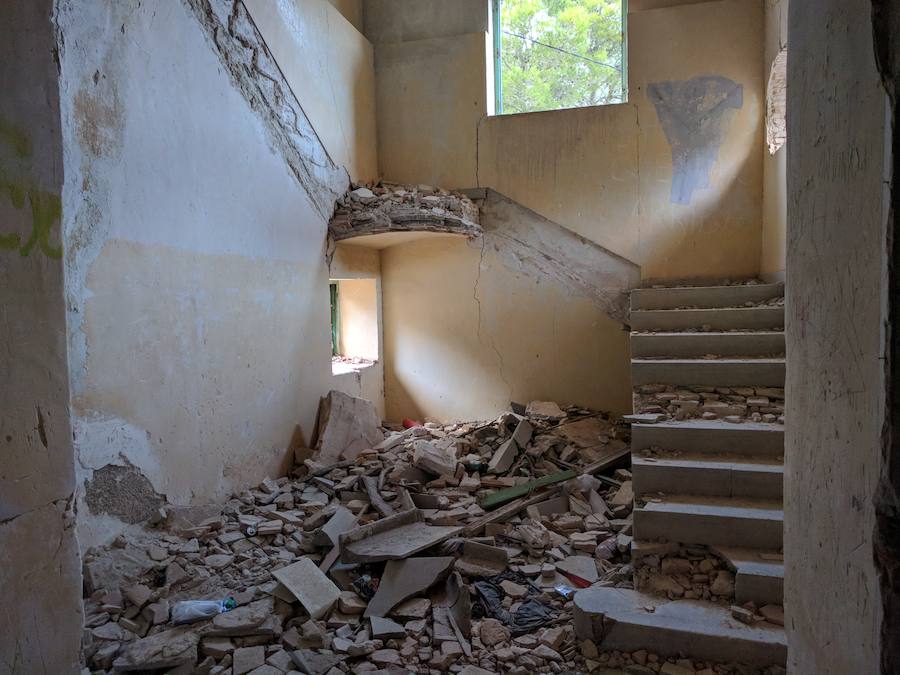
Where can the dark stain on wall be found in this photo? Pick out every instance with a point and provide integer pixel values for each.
(693, 114)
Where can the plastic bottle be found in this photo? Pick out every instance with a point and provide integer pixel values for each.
(188, 611)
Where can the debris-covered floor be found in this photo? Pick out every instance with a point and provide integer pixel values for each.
(450, 548)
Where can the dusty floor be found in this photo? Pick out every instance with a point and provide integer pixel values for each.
(388, 561)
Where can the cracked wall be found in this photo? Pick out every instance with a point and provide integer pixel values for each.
(522, 313)
(196, 201)
(40, 621)
(836, 300)
(605, 172)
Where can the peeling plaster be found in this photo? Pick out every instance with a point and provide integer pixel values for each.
(694, 116)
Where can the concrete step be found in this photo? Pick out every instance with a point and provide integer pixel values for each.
(729, 343)
(759, 575)
(726, 318)
(708, 475)
(709, 372)
(702, 436)
(627, 620)
(722, 521)
(703, 296)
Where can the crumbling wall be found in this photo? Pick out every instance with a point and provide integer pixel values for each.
(607, 173)
(836, 298)
(40, 621)
(522, 313)
(774, 231)
(195, 207)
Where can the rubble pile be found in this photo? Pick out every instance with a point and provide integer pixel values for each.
(429, 548)
(731, 404)
(643, 662)
(381, 207)
(691, 573)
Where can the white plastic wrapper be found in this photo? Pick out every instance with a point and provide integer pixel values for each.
(188, 611)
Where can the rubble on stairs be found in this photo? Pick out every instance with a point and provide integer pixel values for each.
(386, 558)
(731, 404)
(645, 662)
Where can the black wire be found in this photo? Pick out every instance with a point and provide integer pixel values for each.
(559, 49)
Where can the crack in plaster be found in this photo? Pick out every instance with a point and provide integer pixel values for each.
(243, 52)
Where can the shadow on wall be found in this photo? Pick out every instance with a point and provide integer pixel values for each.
(695, 116)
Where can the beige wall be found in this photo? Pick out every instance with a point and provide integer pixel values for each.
(352, 10)
(196, 270)
(836, 316)
(464, 336)
(40, 576)
(606, 172)
(358, 309)
(430, 96)
(362, 266)
(774, 166)
(329, 65)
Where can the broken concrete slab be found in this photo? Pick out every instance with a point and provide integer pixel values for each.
(504, 457)
(586, 433)
(428, 457)
(392, 538)
(168, 649)
(385, 629)
(482, 559)
(403, 579)
(315, 591)
(580, 566)
(245, 659)
(347, 426)
(626, 620)
(314, 663)
(329, 534)
(246, 620)
(523, 433)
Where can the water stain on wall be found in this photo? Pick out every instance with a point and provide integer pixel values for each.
(694, 116)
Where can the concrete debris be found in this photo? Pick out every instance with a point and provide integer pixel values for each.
(366, 556)
(390, 207)
(306, 582)
(404, 578)
(347, 426)
(645, 662)
(731, 404)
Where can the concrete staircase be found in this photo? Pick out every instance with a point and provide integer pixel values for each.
(698, 482)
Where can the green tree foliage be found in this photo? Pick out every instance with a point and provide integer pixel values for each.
(561, 54)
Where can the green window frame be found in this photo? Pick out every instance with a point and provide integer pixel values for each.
(335, 317)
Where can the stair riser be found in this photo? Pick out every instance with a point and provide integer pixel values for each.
(674, 637)
(763, 590)
(714, 296)
(708, 374)
(742, 441)
(692, 528)
(707, 481)
(697, 345)
(755, 318)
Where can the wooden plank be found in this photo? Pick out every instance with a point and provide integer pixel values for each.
(505, 512)
(502, 496)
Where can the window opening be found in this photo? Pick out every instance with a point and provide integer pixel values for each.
(553, 54)
(354, 324)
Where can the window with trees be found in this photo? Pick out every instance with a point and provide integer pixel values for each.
(552, 54)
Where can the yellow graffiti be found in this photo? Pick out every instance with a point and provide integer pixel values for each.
(46, 207)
